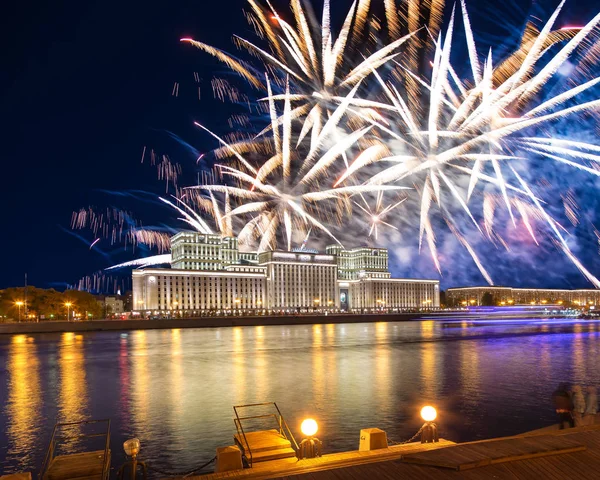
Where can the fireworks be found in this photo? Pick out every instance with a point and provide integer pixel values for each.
(281, 192)
(385, 106)
(451, 139)
(470, 132)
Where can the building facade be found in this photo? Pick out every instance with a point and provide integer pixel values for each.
(374, 293)
(465, 296)
(210, 274)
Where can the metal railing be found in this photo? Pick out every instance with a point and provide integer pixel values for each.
(51, 452)
(282, 426)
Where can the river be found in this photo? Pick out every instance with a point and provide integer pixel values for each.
(174, 389)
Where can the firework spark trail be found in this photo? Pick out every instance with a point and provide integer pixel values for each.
(377, 213)
(144, 262)
(281, 191)
(479, 132)
(319, 67)
(354, 116)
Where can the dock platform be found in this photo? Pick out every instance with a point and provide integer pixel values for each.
(554, 455)
(293, 466)
(80, 466)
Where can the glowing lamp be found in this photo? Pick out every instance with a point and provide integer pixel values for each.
(309, 427)
(132, 447)
(428, 413)
(429, 432)
(310, 447)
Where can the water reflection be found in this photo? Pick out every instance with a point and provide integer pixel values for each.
(470, 376)
(24, 397)
(261, 373)
(176, 375)
(430, 371)
(239, 367)
(73, 399)
(579, 354)
(140, 379)
(174, 389)
(124, 380)
(382, 373)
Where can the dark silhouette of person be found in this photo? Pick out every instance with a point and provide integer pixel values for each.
(564, 406)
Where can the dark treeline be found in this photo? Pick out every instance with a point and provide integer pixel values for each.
(37, 304)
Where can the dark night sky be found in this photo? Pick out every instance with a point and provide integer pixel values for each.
(84, 86)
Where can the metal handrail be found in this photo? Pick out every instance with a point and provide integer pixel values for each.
(50, 454)
(239, 423)
(287, 428)
(105, 465)
(259, 416)
(284, 429)
(254, 405)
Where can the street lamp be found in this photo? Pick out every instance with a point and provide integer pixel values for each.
(68, 305)
(429, 433)
(132, 448)
(19, 304)
(310, 447)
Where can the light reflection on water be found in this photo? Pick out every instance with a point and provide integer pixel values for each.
(24, 396)
(174, 389)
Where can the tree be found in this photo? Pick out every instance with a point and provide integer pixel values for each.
(84, 304)
(47, 304)
(487, 299)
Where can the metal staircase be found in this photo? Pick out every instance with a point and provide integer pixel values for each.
(91, 463)
(263, 445)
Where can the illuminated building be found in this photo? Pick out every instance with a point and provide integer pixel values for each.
(209, 273)
(463, 296)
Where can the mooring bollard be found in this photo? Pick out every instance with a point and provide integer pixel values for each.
(228, 459)
(372, 439)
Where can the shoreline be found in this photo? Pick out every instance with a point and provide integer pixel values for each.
(205, 322)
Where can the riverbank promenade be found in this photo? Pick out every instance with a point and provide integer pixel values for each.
(549, 453)
(206, 322)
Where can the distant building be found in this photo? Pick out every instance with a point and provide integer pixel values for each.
(210, 273)
(464, 296)
(111, 304)
(128, 301)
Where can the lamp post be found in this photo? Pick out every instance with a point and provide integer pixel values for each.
(310, 447)
(429, 433)
(132, 448)
(68, 305)
(19, 304)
